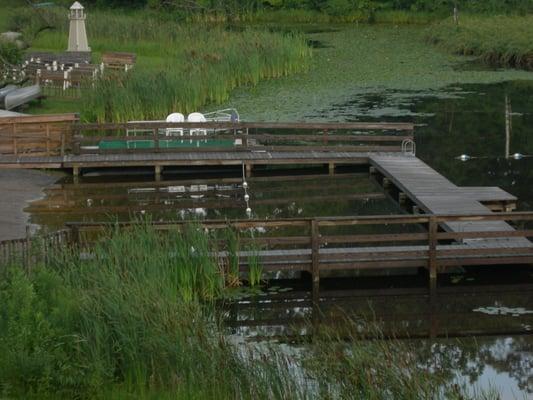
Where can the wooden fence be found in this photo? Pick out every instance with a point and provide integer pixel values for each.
(242, 136)
(30, 251)
(67, 83)
(36, 135)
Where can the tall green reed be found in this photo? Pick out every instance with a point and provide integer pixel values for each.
(255, 269)
(181, 67)
(495, 40)
(133, 318)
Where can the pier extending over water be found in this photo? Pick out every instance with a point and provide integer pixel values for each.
(451, 226)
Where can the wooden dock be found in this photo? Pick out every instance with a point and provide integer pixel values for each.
(432, 193)
(455, 226)
(61, 142)
(325, 244)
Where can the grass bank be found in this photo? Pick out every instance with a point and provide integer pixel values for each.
(497, 40)
(138, 320)
(181, 67)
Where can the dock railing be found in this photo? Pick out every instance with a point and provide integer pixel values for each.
(33, 250)
(317, 245)
(91, 138)
(36, 135)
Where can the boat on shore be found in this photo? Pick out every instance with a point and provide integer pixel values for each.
(5, 91)
(20, 96)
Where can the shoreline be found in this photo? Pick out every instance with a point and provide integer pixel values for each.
(19, 187)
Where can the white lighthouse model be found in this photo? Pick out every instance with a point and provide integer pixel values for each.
(77, 38)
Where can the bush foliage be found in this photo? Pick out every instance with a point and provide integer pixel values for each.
(334, 7)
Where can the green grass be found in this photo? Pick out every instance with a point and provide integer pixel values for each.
(136, 320)
(496, 40)
(181, 67)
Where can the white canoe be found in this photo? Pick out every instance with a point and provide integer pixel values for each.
(5, 91)
(21, 96)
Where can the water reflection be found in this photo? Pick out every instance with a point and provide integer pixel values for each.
(454, 332)
(460, 119)
(273, 195)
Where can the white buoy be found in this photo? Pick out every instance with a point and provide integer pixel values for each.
(248, 211)
(245, 185)
(246, 197)
(518, 156)
(464, 157)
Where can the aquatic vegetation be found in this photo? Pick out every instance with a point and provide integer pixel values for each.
(255, 271)
(496, 40)
(358, 71)
(232, 259)
(180, 67)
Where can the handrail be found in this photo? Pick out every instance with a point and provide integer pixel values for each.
(325, 221)
(400, 126)
(317, 253)
(33, 119)
(266, 137)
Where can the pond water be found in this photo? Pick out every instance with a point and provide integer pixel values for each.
(374, 74)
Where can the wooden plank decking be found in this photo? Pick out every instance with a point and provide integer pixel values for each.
(434, 194)
(254, 157)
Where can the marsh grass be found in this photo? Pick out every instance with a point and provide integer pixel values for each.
(255, 270)
(181, 66)
(135, 319)
(496, 40)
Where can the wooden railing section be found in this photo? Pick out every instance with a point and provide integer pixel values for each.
(316, 245)
(67, 83)
(36, 135)
(31, 251)
(245, 136)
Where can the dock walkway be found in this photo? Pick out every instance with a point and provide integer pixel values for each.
(182, 158)
(434, 194)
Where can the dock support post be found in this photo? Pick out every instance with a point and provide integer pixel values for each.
(372, 170)
(76, 174)
(315, 270)
(157, 172)
(331, 169)
(402, 197)
(386, 183)
(432, 255)
(248, 169)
